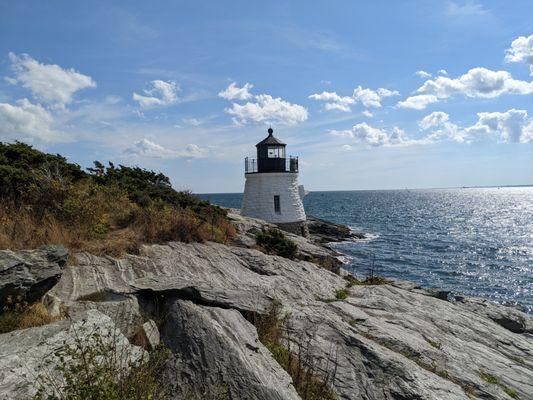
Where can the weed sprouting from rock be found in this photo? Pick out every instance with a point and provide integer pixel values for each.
(99, 365)
(294, 352)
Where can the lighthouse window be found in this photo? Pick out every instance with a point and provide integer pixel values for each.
(277, 205)
(276, 152)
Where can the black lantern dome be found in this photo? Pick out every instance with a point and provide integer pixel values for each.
(271, 157)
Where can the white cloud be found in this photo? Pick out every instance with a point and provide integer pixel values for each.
(346, 147)
(478, 82)
(440, 127)
(371, 98)
(49, 83)
(265, 108)
(442, 72)
(26, 120)
(148, 148)
(192, 121)
(160, 93)
(527, 132)
(437, 118)
(367, 113)
(334, 101)
(418, 102)
(367, 97)
(232, 92)
(468, 12)
(521, 51)
(375, 137)
(511, 126)
(423, 74)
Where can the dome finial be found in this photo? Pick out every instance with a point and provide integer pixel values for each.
(270, 130)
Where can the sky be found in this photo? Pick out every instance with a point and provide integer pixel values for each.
(368, 94)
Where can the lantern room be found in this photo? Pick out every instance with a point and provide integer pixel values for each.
(271, 157)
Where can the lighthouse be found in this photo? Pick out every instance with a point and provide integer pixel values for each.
(271, 190)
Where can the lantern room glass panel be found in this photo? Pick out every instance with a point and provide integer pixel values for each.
(276, 152)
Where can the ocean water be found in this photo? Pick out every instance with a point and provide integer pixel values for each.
(474, 241)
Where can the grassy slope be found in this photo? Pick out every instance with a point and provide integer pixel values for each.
(44, 199)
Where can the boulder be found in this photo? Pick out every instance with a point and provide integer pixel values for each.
(506, 316)
(326, 231)
(28, 274)
(209, 273)
(217, 354)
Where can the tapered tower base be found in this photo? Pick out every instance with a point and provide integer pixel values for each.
(275, 197)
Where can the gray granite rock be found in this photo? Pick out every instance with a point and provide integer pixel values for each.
(508, 317)
(383, 342)
(24, 353)
(216, 354)
(150, 334)
(29, 274)
(310, 250)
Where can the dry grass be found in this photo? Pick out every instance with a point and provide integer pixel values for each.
(110, 210)
(21, 316)
(114, 232)
(20, 229)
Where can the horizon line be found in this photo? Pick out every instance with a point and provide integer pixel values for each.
(420, 188)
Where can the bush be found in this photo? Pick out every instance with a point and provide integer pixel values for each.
(46, 200)
(369, 280)
(96, 366)
(341, 294)
(273, 241)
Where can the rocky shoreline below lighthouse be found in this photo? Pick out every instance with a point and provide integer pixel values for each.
(364, 340)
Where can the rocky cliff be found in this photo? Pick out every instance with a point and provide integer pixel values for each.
(393, 340)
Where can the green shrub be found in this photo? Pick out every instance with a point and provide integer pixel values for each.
(111, 210)
(274, 241)
(341, 294)
(370, 280)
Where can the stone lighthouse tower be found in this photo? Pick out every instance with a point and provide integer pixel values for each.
(271, 191)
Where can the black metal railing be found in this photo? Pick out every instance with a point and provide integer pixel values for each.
(254, 165)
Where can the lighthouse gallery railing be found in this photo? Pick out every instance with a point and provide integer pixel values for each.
(290, 164)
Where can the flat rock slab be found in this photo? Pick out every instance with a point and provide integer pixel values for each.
(226, 276)
(411, 345)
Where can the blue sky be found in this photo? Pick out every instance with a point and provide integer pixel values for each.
(369, 95)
